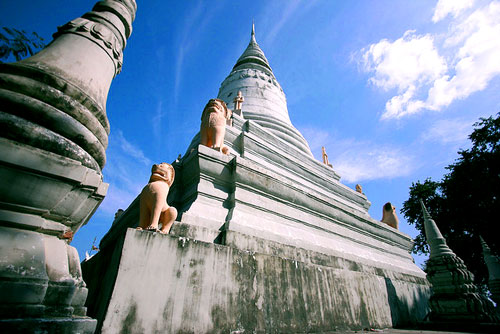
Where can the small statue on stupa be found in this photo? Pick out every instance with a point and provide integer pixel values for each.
(389, 216)
(238, 102)
(325, 157)
(213, 125)
(118, 214)
(154, 209)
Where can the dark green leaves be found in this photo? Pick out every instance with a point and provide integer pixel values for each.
(18, 43)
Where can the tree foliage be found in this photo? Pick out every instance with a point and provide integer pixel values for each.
(465, 203)
(18, 43)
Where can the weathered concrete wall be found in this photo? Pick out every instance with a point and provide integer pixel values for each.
(177, 285)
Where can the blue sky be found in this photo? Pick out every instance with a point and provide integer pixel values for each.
(390, 88)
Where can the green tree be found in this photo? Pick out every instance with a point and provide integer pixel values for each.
(465, 204)
(18, 43)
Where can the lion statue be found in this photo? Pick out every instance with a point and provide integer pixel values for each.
(213, 125)
(389, 215)
(154, 209)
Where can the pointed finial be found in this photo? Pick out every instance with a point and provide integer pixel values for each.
(486, 248)
(252, 38)
(435, 239)
(424, 210)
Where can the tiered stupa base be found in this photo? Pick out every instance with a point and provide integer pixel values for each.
(244, 257)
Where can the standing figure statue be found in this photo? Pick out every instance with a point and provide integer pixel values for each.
(238, 101)
(213, 125)
(325, 157)
(154, 209)
(389, 215)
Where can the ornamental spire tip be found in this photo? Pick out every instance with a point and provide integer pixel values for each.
(252, 38)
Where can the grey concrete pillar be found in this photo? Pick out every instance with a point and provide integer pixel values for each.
(53, 136)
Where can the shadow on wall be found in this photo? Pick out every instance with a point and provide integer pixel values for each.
(403, 312)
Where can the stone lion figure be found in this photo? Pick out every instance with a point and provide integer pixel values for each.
(154, 209)
(213, 125)
(389, 215)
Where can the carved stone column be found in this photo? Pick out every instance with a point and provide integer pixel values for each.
(53, 136)
(455, 297)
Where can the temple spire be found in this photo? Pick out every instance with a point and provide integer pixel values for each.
(434, 237)
(253, 56)
(265, 101)
(455, 297)
(493, 264)
(491, 261)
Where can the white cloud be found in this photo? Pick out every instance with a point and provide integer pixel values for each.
(450, 7)
(287, 12)
(127, 172)
(448, 131)
(194, 25)
(178, 73)
(424, 79)
(157, 120)
(131, 150)
(316, 138)
(406, 64)
(358, 160)
(403, 104)
(362, 161)
(477, 60)
(409, 61)
(117, 198)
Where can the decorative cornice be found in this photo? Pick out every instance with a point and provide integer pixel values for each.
(109, 24)
(100, 34)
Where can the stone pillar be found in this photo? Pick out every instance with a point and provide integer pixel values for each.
(53, 136)
(455, 297)
(493, 264)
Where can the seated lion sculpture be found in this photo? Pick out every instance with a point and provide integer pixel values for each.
(389, 215)
(154, 209)
(213, 125)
